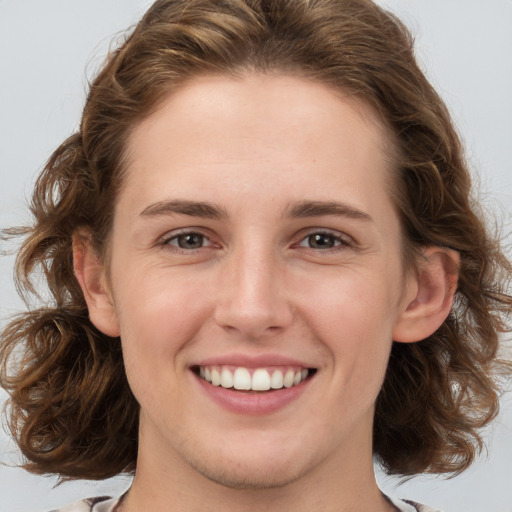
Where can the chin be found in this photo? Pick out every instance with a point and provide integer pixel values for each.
(248, 480)
(258, 475)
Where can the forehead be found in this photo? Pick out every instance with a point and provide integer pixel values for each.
(263, 100)
(258, 131)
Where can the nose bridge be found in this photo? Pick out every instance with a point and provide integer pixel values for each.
(253, 300)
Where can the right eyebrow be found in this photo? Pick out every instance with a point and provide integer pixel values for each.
(185, 207)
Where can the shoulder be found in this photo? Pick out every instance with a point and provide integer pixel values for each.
(411, 506)
(422, 508)
(99, 504)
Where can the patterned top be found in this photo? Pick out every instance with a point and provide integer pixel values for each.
(107, 504)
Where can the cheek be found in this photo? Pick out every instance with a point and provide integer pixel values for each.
(158, 315)
(353, 318)
(154, 332)
(354, 305)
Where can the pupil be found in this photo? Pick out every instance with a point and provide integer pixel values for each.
(321, 241)
(190, 241)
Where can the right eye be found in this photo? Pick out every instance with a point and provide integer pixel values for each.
(188, 241)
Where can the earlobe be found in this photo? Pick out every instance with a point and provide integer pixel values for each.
(90, 273)
(433, 289)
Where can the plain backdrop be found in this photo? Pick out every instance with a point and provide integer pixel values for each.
(49, 48)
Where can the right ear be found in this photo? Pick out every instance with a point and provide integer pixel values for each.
(91, 275)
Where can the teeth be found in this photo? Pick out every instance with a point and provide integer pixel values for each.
(260, 380)
(289, 378)
(276, 382)
(215, 377)
(242, 379)
(226, 378)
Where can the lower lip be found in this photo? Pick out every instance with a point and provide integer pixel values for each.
(253, 403)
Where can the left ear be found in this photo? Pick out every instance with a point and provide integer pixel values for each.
(429, 296)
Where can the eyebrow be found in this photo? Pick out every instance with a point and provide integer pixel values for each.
(185, 207)
(303, 209)
(300, 209)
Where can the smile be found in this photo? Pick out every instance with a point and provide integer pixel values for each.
(253, 379)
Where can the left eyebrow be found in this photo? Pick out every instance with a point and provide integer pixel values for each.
(303, 209)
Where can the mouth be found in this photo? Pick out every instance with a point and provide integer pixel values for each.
(258, 380)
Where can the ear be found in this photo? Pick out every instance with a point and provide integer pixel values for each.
(90, 273)
(429, 296)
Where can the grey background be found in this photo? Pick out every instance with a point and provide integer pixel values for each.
(47, 50)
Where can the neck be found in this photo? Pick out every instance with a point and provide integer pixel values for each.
(337, 484)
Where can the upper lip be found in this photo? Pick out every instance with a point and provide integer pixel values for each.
(252, 361)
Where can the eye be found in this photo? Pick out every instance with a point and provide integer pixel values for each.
(189, 241)
(322, 241)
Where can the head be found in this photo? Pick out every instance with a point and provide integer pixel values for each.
(436, 393)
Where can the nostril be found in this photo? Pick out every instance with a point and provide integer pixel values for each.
(253, 313)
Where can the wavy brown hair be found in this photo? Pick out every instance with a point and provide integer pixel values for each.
(70, 407)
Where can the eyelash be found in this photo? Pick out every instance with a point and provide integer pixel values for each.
(339, 242)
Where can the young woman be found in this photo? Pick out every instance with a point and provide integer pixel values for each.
(266, 269)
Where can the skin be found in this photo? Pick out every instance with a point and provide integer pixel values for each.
(253, 148)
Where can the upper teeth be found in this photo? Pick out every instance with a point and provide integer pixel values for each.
(259, 379)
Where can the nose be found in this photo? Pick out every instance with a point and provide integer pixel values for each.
(253, 298)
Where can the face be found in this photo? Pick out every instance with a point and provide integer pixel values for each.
(256, 279)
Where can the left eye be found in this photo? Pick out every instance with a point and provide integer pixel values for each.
(322, 241)
(188, 241)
